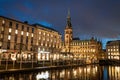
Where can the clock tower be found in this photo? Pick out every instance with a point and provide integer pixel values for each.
(68, 32)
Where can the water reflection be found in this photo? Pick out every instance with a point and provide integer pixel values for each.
(90, 72)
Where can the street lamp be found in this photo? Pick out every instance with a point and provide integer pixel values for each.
(21, 47)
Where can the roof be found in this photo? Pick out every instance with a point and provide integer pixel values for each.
(36, 24)
(25, 22)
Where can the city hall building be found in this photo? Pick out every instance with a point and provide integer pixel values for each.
(80, 49)
(20, 39)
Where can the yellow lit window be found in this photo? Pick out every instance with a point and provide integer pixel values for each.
(41, 44)
(9, 37)
(51, 35)
(32, 34)
(44, 33)
(46, 44)
(117, 49)
(16, 31)
(22, 32)
(111, 49)
(27, 34)
(39, 32)
(3, 21)
(10, 30)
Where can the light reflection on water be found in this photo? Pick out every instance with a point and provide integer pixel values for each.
(90, 72)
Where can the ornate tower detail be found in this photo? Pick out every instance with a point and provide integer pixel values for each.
(68, 31)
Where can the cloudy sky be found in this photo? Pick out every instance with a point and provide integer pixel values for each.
(99, 18)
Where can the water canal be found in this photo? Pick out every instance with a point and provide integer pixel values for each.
(89, 72)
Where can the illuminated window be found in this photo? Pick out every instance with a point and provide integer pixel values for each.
(51, 35)
(41, 44)
(9, 37)
(16, 31)
(114, 46)
(27, 34)
(46, 44)
(32, 34)
(39, 32)
(3, 21)
(116, 49)
(22, 33)
(0, 43)
(44, 33)
(111, 49)
(10, 30)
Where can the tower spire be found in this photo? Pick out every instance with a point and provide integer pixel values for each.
(69, 25)
(68, 13)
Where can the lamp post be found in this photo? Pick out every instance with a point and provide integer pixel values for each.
(6, 62)
(20, 51)
(32, 60)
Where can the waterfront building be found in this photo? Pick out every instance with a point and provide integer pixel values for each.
(48, 41)
(20, 39)
(80, 49)
(113, 49)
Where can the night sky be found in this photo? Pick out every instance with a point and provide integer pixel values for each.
(98, 18)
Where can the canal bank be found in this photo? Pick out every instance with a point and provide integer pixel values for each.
(23, 70)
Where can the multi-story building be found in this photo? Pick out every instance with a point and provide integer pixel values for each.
(22, 39)
(81, 49)
(16, 37)
(48, 41)
(113, 49)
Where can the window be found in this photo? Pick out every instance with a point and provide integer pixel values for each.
(39, 32)
(32, 34)
(32, 30)
(16, 31)
(3, 22)
(27, 29)
(9, 37)
(8, 45)
(22, 27)
(39, 38)
(1, 36)
(15, 38)
(16, 26)
(27, 34)
(10, 30)
(44, 33)
(22, 33)
(2, 28)
(26, 39)
(10, 24)
(32, 40)
(21, 39)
